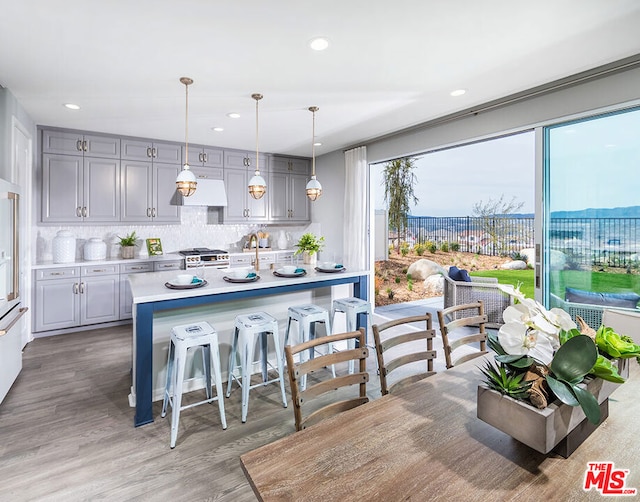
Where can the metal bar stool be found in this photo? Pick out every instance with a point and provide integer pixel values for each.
(199, 335)
(351, 307)
(307, 316)
(247, 328)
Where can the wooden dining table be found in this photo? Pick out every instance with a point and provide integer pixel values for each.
(427, 444)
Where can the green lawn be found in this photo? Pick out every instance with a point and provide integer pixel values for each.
(589, 281)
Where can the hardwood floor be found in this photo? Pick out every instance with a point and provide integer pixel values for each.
(66, 430)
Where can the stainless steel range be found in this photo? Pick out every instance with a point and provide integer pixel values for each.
(205, 257)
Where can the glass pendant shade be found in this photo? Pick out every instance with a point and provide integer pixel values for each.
(186, 182)
(314, 188)
(257, 186)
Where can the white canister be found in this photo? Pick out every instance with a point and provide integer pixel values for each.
(64, 247)
(95, 249)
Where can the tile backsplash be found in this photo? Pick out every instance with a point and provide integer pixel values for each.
(193, 231)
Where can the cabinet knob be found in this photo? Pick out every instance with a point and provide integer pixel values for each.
(84, 146)
(153, 212)
(82, 288)
(149, 151)
(75, 288)
(79, 145)
(84, 211)
(148, 212)
(79, 212)
(153, 152)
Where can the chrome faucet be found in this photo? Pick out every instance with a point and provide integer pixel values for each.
(257, 262)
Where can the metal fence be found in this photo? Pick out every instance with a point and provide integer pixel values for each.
(613, 242)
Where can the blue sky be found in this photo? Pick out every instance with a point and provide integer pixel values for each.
(450, 182)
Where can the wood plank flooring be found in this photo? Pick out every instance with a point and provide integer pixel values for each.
(66, 430)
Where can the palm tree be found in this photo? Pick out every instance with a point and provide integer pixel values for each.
(399, 180)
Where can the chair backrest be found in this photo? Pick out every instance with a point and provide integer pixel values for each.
(468, 329)
(315, 388)
(403, 342)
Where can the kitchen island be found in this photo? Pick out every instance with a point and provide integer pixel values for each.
(156, 308)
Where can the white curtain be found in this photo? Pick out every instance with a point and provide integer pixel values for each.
(355, 236)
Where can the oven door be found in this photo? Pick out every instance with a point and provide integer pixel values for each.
(212, 261)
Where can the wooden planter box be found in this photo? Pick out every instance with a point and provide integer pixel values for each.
(557, 426)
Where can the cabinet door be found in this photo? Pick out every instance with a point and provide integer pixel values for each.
(208, 173)
(61, 189)
(101, 190)
(278, 193)
(300, 166)
(167, 153)
(298, 201)
(235, 159)
(235, 181)
(165, 196)
(289, 165)
(136, 181)
(126, 299)
(99, 299)
(101, 146)
(213, 157)
(68, 143)
(195, 156)
(137, 150)
(57, 304)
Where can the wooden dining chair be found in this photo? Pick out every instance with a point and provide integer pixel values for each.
(406, 348)
(323, 382)
(465, 331)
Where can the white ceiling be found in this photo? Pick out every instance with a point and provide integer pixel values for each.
(390, 64)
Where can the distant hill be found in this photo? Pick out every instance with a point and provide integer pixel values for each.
(604, 212)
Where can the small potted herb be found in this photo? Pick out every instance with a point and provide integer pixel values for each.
(309, 245)
(128, 244)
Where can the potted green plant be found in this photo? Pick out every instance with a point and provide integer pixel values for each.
(309, 245)
(128, 244)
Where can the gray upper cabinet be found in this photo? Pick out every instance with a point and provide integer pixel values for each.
(148, 171)
(71, 143)
(147, 150)
(203, 156)
(238, 170)
(80, 189)
(288, 178)
(149, 192)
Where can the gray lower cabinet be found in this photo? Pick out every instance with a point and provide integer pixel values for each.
(77, 189)
(76, 296)
(160, 265)
(149, 192)
(126, 298)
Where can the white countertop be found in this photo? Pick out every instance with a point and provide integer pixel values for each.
(150, 287)
(109, 261)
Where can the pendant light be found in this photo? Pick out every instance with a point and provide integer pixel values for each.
(314, 188)
(257, 185)
(186, 180)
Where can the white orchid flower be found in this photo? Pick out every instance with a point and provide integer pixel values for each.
(517, 338)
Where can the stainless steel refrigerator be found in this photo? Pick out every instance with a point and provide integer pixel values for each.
(11, 312)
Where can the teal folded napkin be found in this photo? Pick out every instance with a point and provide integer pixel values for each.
(251, 275)
(299, 271)
(338, 265)
(196, 280)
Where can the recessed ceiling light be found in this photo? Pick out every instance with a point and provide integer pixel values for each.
(319, 44)
(317, 143)
(71, 106)
(218, 129)
(458, 92)
(233, 115)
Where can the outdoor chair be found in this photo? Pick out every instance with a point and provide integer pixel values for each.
(485, 289)
(399, 345)
(318, 387)
(459, 331)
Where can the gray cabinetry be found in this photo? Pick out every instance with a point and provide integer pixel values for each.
(57, 300)
(99, 292)
(77, 143)
(159, 266)
(203, 156)
(80, 189)
(287, 190)
(241, 207)
(126, 298)
(148, 192)
(147, 150)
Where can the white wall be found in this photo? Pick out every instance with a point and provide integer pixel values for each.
(614, 91)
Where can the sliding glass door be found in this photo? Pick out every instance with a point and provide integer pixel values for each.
(591, 226)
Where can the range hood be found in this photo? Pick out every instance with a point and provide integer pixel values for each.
(208, 193)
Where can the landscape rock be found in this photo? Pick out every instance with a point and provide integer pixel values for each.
(514, 265)
(423, 268)
(530, 253)
(434, 285)
(558, 258)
